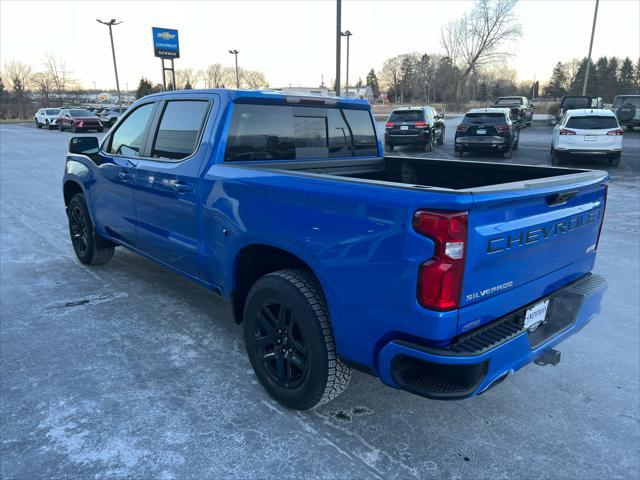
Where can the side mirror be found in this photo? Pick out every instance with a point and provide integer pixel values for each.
(84, 145)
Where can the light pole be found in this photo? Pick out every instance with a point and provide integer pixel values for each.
(110, 24)
(593, 31)
(338, 44)
(347, 34)
(236, 52)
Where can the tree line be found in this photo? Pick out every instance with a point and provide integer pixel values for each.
(608, 77)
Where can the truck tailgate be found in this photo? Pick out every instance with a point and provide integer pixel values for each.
(516, 237)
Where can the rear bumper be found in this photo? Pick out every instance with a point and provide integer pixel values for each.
(480, 359)
(491, 142)
(589, 151)
(419, 139)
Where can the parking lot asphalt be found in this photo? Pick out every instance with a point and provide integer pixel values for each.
(128, 370)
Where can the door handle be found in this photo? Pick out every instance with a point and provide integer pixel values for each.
(182, 187)
(125, 176)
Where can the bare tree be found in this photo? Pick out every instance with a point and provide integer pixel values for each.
(186, 77)
(57, 71)
(214, 76)
(478, 38)
(44, 83)
(18, 75)
(391, 74)
(254, 79)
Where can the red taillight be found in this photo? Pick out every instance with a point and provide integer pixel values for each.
(440, 278)
(389, 124)
(422, 124)
(616, 132)
(565, 131)
(502, 128)
(604, 209)
(461, 128)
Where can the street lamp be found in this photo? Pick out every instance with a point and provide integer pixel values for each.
(347, 34)
(236, 52)
(110, 24)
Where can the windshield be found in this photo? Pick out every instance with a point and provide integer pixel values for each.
(484, 118)
(593, 122)
(53, 111)
(406, 116)
(509, 101)
(576, 102)
(633, 100)
(80, 112)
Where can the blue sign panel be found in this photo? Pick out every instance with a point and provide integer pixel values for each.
(165, 43)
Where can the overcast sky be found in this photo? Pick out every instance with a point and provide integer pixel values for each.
(293, 42)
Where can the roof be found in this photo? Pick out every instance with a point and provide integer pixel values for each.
(585, 112)
(489, 110)
(264, 95)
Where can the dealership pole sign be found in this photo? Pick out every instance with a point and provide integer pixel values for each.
(166, 47)
(165, 43)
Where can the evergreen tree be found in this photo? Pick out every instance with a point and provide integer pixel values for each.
(372, 82)
(144, 88)
(188, 86)
(407, 72)
(626, 77)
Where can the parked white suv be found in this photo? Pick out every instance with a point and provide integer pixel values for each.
(587, 132)
(47, 117)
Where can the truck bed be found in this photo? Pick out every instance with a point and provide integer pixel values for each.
(457, 175)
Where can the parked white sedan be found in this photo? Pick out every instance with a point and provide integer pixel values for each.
(47, 117)
(587, 132)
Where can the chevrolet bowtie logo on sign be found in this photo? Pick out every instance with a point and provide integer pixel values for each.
(165, 43)
(166, 36)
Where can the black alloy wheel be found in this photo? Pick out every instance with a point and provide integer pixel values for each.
(281, 345)
(79, 230)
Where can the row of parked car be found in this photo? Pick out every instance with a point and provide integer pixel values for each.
(583, 127)
(78, 118)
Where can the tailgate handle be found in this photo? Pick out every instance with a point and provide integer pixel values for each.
(560, 198)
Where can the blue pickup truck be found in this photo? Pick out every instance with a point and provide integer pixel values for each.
(440, 277)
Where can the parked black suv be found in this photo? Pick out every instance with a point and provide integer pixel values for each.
(414, 126)
(521, 108)
(575, 102)
(487, 129)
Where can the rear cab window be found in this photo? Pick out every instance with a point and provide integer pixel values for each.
(592, 122)
(274, 132)
(576, 102)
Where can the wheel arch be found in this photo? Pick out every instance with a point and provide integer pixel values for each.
(256, 260)
(69, 189)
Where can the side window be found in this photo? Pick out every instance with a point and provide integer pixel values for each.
(363, 132)
(129, 138)
(179, 129)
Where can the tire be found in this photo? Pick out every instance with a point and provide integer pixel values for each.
(74, 129)
(428, 147)
(441, 138)
(286, 318)
(555, 158)
(38, 124)
(517, 142)
(507, 153)
(614, 161)
(89, 247)
(390, 148)
(60, 127)
(459, 153)
(49, 127)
